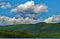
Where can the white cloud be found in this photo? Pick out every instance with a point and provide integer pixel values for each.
(23, 7)
(30, 6)
(8, 5)
(5, 5)
(53, 19)
(8, 21)
(40, 8)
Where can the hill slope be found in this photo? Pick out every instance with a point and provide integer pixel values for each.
(35, 28)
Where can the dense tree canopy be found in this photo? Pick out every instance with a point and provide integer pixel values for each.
(38, 30)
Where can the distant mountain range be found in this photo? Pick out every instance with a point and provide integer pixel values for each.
(34, 28)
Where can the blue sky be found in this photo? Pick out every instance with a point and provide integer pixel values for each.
(53, 8)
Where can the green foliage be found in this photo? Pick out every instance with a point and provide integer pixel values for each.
(20, 34)
(15, 34)
(49, 30)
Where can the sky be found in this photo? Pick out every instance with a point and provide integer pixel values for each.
(29, 11)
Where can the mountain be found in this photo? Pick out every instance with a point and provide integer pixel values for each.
(34, 28)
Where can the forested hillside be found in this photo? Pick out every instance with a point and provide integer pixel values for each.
(31, 30)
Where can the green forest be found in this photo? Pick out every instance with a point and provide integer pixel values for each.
(39, 30)
(20, 34)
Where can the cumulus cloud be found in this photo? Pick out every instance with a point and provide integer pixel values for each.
(30, 6)
(8, 21)
(5, 5)
(23, 7)
(40, 8)
(30, 9)
(53, 19)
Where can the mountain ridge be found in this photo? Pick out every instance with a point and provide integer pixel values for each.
(34, 28)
